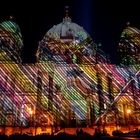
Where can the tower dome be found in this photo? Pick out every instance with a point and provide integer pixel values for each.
(11, 42)
(129, 46)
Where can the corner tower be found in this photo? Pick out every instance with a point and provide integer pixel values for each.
(129, 46)
(11, 42)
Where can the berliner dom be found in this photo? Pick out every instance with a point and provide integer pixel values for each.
(72, 84)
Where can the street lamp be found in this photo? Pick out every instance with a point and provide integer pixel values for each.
(128, 111)
(31, 114)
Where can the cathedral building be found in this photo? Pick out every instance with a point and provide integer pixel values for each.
(72, 84)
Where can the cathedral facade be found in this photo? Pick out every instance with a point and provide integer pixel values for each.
(72, 83)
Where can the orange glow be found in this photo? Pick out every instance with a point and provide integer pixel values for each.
(128, 111)
(30, 111)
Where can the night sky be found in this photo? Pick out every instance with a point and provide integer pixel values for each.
(104, 20)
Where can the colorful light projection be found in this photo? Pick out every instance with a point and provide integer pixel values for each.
(60, 52)
(129, 46)
(11, 42)
(59, 96)
(61, 89)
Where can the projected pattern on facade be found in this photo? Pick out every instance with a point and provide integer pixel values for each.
(66, 87)
(11, 42)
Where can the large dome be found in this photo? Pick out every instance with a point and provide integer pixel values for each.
(68, 42)
(11, 42)
(67, 29)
